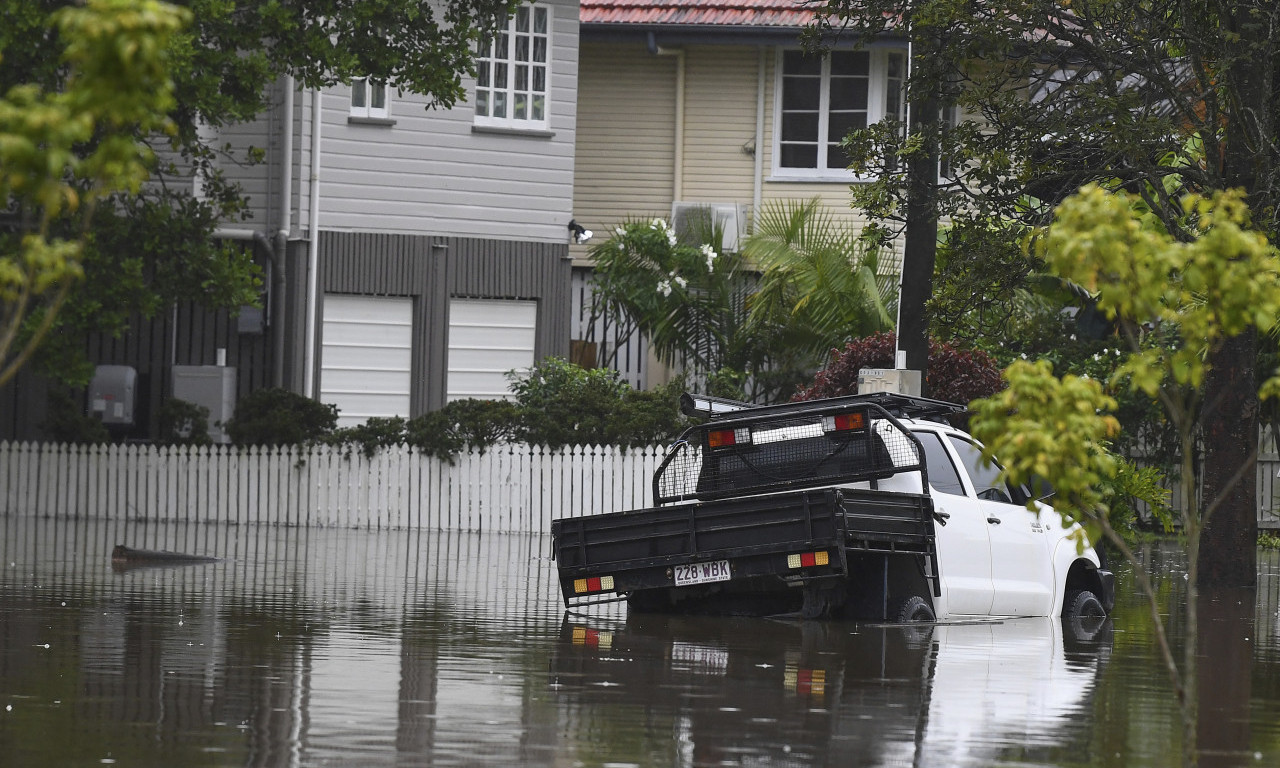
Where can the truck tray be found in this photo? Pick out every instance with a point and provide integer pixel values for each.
(638, 549)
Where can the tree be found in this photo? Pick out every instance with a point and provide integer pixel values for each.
(1154, 98)
(1211, 288)
(62, 151)
(688, 298)
(820, 285)
(954, 375)
(153, 246)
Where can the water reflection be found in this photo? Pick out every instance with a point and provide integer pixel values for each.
(946, 695)
(334, 647)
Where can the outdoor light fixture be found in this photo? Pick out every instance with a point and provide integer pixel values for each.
(580, 233)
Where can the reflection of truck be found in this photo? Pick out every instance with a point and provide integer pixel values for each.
(868, 506)
(745, 691)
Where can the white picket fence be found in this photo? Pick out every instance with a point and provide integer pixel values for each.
(509, 488)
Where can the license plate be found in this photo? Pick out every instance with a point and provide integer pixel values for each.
(702, 573)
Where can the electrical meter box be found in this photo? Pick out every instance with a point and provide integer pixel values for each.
(895, 380)
(212, 386)
(112, 394)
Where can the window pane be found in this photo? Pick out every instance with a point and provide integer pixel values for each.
(849, 92)
(984, 477)
(796, 63)
(540, 79)
(800, 126)
(836, 157)
(522, 19)
(521, 107)
(499, 104)
(358, 93)
(942, 473)
(540, 20)
(482, 103)
(522, 77)
(482, 74)
(540, 50)
(539, 108)
(839, 124)
(850, 63)
(499, 75)
(378, 93)
(801, 93)
(799, 156)
(897, 65)
(522, 48)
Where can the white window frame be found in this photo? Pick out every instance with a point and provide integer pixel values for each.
(364, 90)
(506, 72)
(878, 93)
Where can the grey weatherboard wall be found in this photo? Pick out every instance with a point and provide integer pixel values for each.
(432, 270)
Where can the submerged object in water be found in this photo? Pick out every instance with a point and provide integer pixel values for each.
(123, 558)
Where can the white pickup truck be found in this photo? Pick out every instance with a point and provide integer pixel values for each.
(867, 507)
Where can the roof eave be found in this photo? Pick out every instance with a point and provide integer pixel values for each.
(669, 35)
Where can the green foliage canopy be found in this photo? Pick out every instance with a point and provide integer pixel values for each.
(61, 151)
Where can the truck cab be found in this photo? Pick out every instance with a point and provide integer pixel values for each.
(871, 507)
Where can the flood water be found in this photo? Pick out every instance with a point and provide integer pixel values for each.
(314, 647)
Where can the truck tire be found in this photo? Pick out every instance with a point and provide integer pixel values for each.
(1083, 617)
(913, 609)
(1082, 603)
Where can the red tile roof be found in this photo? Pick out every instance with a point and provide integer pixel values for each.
(739, 13)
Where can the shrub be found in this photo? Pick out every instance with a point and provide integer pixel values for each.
(183, 423)
(377, 432)
(68, 423)
(280, 417)
(954, 375)
(462, 423)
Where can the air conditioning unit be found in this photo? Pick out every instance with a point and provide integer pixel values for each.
(691, 220)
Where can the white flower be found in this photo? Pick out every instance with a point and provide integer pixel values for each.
(680, 281)
(619, 231)
(664, 287)
(1073, 337)
(710, 253)
(671, 238)
(1096, 357)
(1023, 355)
(658, 224)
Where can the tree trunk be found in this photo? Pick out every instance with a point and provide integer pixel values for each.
(921, 242)
(1228, 551)
(1229, 540)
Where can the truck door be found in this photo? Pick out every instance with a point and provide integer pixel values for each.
(964, 549)
(1021, 565)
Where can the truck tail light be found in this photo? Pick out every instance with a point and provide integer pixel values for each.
(808, 559)
(723, 438)
(844, 422)
(593, 584)
(592, 638)
(806, 682)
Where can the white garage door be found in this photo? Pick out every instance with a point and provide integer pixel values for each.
(365, 357)
(487, 338)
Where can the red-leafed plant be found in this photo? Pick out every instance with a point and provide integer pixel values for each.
(955, 375)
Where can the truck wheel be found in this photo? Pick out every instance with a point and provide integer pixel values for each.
(1082, 602)
(913, 609)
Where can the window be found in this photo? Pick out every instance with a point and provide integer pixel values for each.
(369, 99)
(942, 473)
(985, 477)
(823, 98)
(513, 72)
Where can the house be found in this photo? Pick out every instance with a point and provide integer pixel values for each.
(411, 256)
(713, 102)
